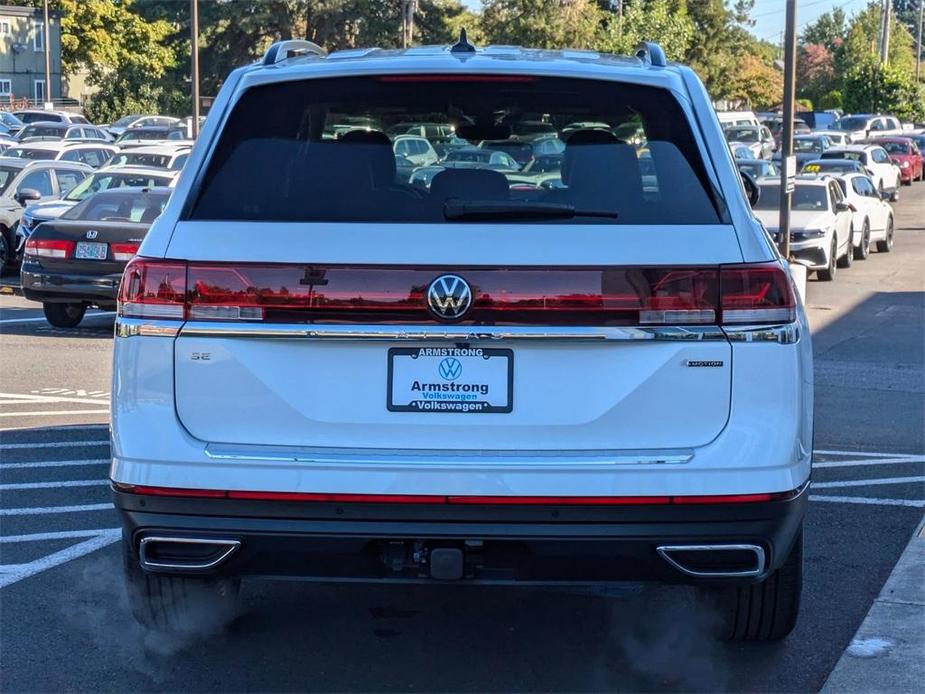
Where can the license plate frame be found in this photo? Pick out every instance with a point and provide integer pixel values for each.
(453, 403)
(100, 251)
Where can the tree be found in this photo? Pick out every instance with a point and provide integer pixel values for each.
(828, 30)
(665, 21)
(871, 87)
(815, 71)
(862, 42)
(755, 82)
(542, 23)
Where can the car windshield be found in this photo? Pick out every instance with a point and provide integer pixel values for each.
(805, 198)
(7, 174)
(43, 130)
(124, 121)
(10, 120)
(851, 123)
(30, 153)
(807, 145)
(896, 147)
(833, 165)
(33, 117)
(141, 206)
(743, 135)
(94, 184)
(157, 161)
(280, 136)
(137, 134)
(853, 156)
(758, 168)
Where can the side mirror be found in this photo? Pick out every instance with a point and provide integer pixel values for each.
(842, 207)
(885, 195)
(27, 195)
(751, 188)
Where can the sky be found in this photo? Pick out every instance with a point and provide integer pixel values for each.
(769, 15)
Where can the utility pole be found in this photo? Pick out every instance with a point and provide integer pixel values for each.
(918, 43)
(788, 168)
(408, 8)
(885, 40)
(194, 64)
(47, 42)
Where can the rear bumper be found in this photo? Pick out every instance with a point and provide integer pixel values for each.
(39, 284)
(387, 542)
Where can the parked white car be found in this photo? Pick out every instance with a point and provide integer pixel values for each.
(838, 138)
(161, 156)
(727, 118)
(94, 154)
(820, 222)
(415, 149)
(883, 171)
(859, 126)
(319, 371)
(873, 215)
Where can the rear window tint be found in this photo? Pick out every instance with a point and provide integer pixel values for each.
(317, 150)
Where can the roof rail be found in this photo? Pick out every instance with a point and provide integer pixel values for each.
(650, 53)
(283, 50)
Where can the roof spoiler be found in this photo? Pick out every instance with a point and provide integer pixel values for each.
(292, 48)
(650, 53)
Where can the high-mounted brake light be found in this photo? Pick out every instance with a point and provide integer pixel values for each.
(49, 248)
(457, 78)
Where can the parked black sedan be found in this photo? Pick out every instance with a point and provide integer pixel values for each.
(76, 261)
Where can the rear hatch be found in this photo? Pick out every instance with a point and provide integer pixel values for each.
(324, 299)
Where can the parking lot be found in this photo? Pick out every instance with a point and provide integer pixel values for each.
(66, 624)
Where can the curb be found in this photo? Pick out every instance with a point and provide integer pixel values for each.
(886, 653)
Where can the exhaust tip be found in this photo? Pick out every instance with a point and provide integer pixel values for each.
(715, 561)
(173, 553)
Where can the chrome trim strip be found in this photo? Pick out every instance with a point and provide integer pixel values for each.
(229, 548)
(460, 333)
(437, 459)
(132, 327)
(784, 334)
(760, 559)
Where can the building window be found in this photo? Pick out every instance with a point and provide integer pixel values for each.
(5, 29)
(39, 91)
(38, 37)
(6, 87)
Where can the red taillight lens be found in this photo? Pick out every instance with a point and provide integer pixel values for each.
(153, 289)
(48, 248)
(756, 294)
(123, 252)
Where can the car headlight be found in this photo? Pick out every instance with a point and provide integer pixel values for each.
(905, 165)
(809, 233)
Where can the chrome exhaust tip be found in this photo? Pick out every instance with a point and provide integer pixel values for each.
(171, 554)
(715, 561)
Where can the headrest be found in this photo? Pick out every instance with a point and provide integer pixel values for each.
(579, 139)
(378, 148)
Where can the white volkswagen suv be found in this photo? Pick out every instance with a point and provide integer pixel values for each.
(324, 372)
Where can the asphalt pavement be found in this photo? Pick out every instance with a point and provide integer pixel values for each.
(65, 623)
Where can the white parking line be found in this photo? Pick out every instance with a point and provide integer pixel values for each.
(867, 483)
(869, 454)
(65, 555)
(42, 510)
(873, 501)
(14, 398)
(51, 414)
(54, 463)
(52, 444)
(876, 461)
(61, 535)
(7, 321)
(52, 485)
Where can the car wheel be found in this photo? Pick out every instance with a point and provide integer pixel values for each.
(828, 274)
(886, 245)
(66, 315)
(862, 251)
(4, 251)
(765, 611)
(179, 604)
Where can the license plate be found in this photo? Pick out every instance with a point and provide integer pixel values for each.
(91, 251)
(450, 379)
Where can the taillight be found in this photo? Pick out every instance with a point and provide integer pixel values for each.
(123, 252)
(729, 294)
(49, 248)
(756, 294)
(153, 289)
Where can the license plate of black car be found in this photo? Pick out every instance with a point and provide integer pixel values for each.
(87, 250)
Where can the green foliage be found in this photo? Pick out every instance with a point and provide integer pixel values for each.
(805, 104)
(541, 23)
(828, 30)
(665, 21)
(871, 87)
(830, 100)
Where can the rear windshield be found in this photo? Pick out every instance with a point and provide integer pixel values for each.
(110, 207)
(896, 147)
(30, 153)
(31, 117)
(805, 198)
(97, 182)
(836, 165)
(43, 131)
(318, 150)
(7, 174)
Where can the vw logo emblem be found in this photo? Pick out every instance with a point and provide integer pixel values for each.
(92, 234)
(449, 297)
(450, 369)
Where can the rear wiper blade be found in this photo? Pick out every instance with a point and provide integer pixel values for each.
(513, 209)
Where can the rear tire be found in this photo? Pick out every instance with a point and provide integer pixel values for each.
(828, 273)
(894, 196)
(766, 611)
(5, 252)
(886, 245)
(846, 260)
(862, 251)
(179, 604)
(66, 315)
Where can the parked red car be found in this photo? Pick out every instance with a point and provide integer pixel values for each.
(906, 155)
